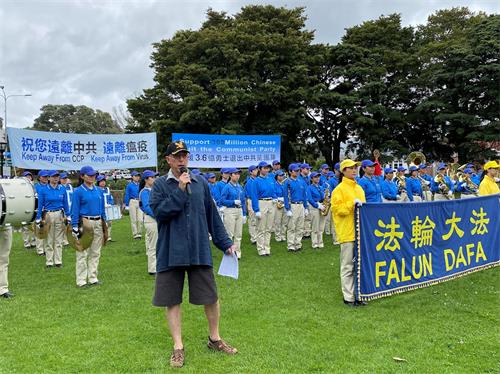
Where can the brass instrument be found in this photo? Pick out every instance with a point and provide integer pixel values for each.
(443, 187)
(415, 158)
(401, 183)
(463, 177)
(326, 202)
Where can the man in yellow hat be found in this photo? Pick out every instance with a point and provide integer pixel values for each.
(488, 185)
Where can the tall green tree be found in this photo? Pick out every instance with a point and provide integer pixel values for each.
(75, 119)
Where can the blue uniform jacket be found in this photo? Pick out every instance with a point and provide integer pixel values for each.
(371, 186)
(184, 222)
(131, 192)
(332, 183)
(108, 198)
(69, 194)
(261, 188)
(87, 202)
(248, 186)
(295, 191)
(389, 189)
(51, 198)
(232, 192)
(144, 197)
(413, 187)
(315, 194)
(219, 186)
(447, 180)
(279, 189)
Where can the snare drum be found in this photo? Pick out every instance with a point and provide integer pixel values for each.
(19, 202)
(113, 212)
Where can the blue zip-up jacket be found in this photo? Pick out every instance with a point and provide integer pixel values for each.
(323, 179)
(248, 186)
(261, 188)
(307, 180)
(232, 192)
(332, 183)
(295, 191)
(87, 202)
(219, 186)
(131, 192)
(279, 189)
(211, 186)
(315, 194)
(52, 198)
(371, 186)
(413, 187)
(184, 222)
(389, 189)
(144, 197)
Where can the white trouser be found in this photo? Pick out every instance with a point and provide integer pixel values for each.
(280, 223)
(252, 222)
(28, 236)
(151, 229)
(135, 217)
(317, 227)
(347, 270)
(295, 227)
(233, 222)
(55, 239)
(87, 261)
(5, 246)
(307, 224)
(264, 226)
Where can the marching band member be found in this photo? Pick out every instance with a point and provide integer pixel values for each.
(276, 166)
(150, 225)
(66, 183)
(219, 186)
(401, 183)
(253, 171)
(475, 178)
(423, 171)
(295, 205)
(5, 247)
(305, 171)
(211, 183)
(52, 202)
(108, 198)
(442, 185)
(29, 239)
(370, 182)
(280, 217)
(88, 207)
(330, 181)
(414, 185)
(345, 196)
(235, 212)
(488, 184)
(131, 201)
(263, 196)
(315, 195)
(324, 169)
(41, 244)
(389, 187)
(466, 186)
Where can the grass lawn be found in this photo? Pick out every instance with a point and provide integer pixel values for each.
(285, 315)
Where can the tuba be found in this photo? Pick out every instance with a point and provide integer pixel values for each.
(326, 202)
(415, 158)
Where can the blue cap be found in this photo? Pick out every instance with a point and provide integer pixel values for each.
(224, 170)
(413, 168)
(401, 168)
(52, 173)
(64, 175)
(330, 174)
(276, 162)
(441, 165)
(389, 170)
(209, 175)
(252, 168)
(263, 164)
(87, 170)
(43, 173)
(148, 173)
(305, 166)
(26, 173)
(293, 167)
(367, 163)
(469, 165)
(325, 166)
(468, 171)
(134, 173)
(337, 166)
(315, 174)
(279, 173)
(233, 170)
(100, 177)
(196, 171)
(422, 166)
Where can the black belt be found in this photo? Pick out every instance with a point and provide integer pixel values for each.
(92, 218)
(52, 211)
(297, 202)
(266, 198)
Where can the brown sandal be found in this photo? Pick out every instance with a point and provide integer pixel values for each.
(221, 346)
(177, 358)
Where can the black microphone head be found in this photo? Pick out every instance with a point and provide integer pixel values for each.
(183, 169)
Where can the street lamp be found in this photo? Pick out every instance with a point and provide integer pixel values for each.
(3, 148)
(5, 97)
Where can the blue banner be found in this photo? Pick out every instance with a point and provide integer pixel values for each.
(241, 151)
(410, 245)
(55, 150)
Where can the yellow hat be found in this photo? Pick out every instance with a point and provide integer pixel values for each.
(347, 163)
(491, 165)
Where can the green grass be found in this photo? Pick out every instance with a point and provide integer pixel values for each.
(284, 314)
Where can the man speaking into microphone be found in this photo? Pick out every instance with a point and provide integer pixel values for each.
(186, 215)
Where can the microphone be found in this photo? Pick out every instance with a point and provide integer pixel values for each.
(183, 170)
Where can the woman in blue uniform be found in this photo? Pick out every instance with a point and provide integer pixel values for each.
(108, 198)
(315, 196)
(150, 225)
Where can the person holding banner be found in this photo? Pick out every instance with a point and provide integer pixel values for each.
(253, 171)
(488, 184)
(414, 185)
(295, 205)
(344, 198)
(131, 201)
(150, 225)
(108, 199)
(280, 217)
(186, 214)
(53, 204)
(66, 183)
(5, 247)
(41, 244)
(315, 196)
(235, 212)
(389, 187)
(88, 209)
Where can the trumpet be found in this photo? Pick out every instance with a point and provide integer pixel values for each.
(401, 182)
(443, 187)
(471, 186)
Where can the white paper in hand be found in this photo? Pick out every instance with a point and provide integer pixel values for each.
(229, 266)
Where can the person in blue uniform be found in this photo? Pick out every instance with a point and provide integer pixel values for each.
(276, 165)
(88, 210)
(331, 183)
(108, 199)
(442, 186)
(150, 224)
(324, 170)
(263, 198)
(131, 201)
(305, 175)
(219, 186)
(466, 186)
(389, 187)
(29, 239)
(315, 196)
(66, 183)
(400, 181)
(423, 172)
(295, 206)
(235, 214)
(186, 214)
(210, 177)
(414, 185)
(253, 172)
(53, 204)
(370, 183)
(43, 175)
(280, 217)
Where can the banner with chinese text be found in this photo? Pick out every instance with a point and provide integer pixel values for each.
(410, 245)
(240, 151)
(54, 150)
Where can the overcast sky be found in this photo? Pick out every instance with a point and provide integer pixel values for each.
(96, 53)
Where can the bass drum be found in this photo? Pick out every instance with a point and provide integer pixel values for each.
(19, 202)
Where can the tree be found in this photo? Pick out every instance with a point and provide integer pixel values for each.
(75, 119)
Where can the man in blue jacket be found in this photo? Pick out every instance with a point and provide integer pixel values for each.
(186, 214)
